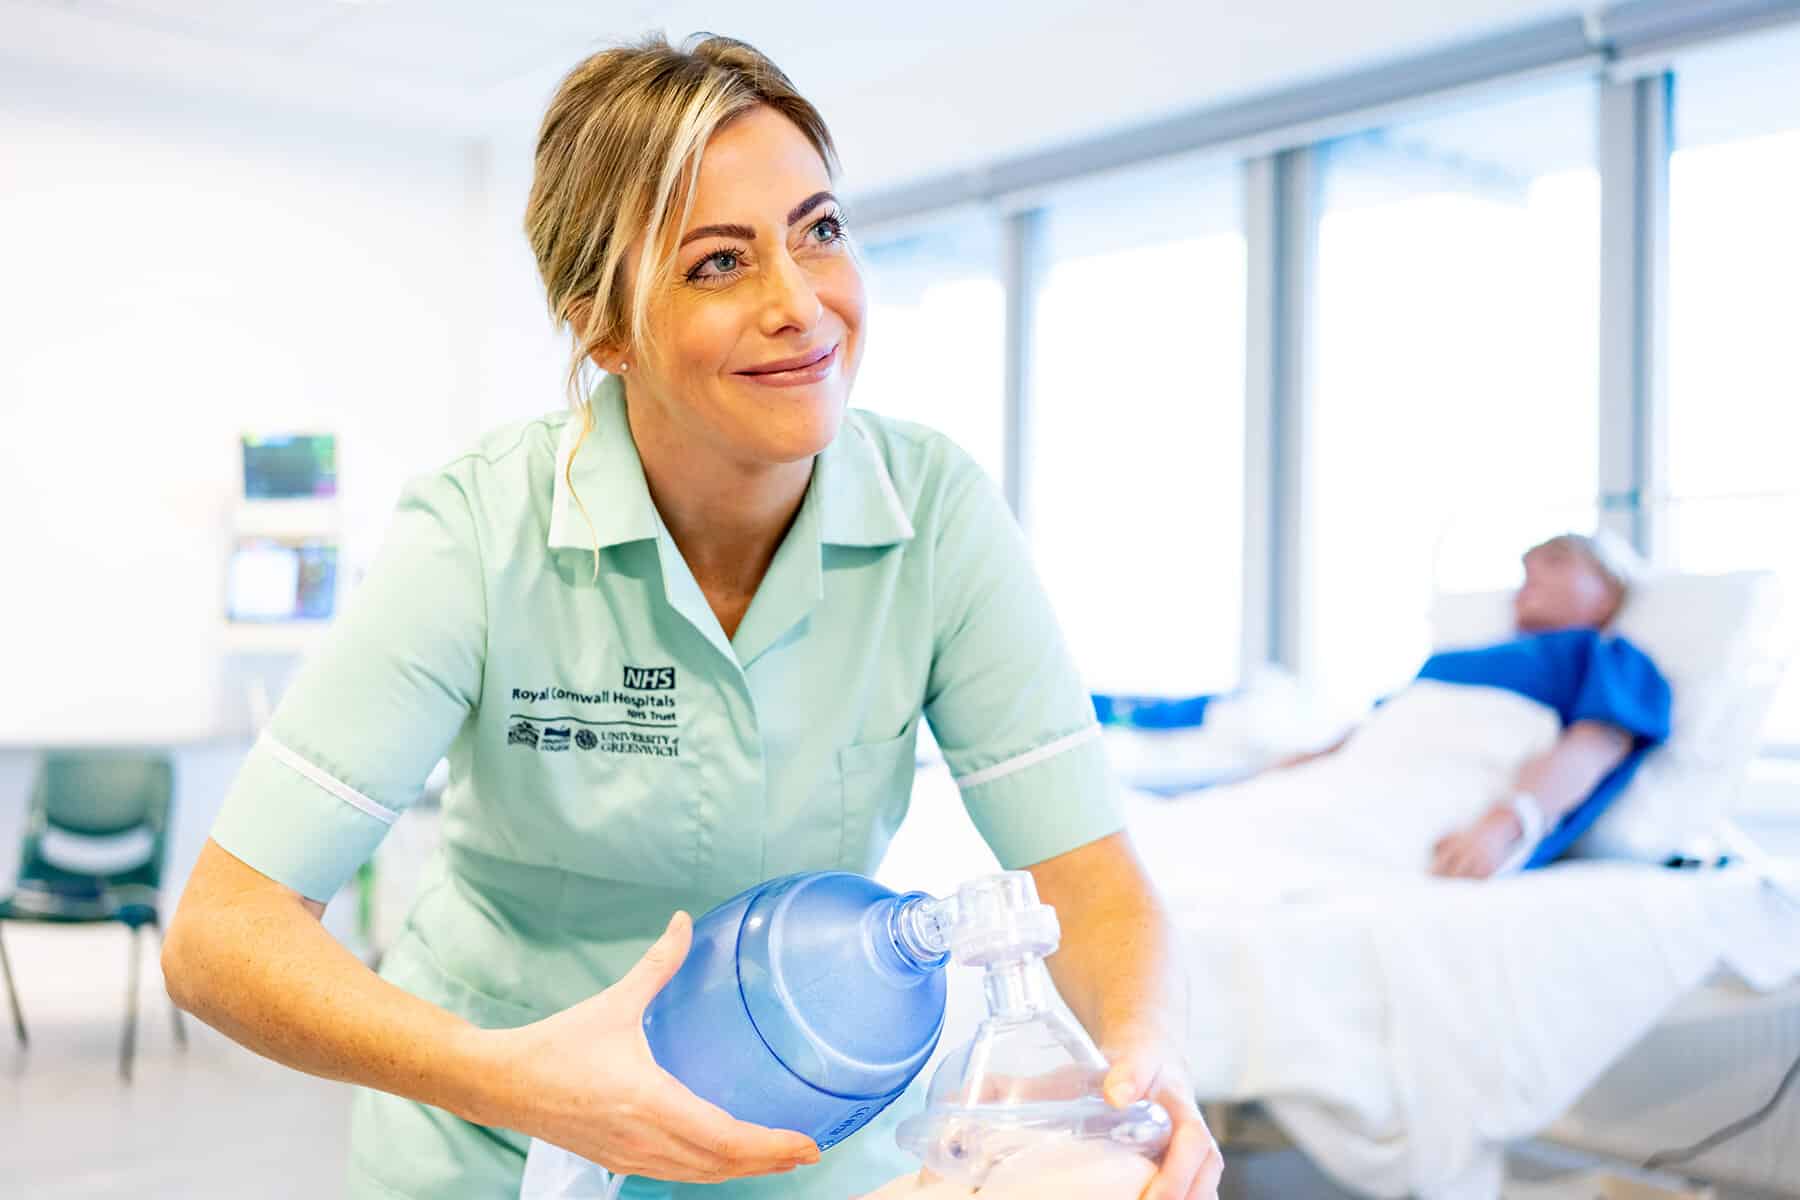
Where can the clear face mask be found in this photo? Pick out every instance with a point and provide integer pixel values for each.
(1031, 1075)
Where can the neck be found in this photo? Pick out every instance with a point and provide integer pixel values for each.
(727, 516)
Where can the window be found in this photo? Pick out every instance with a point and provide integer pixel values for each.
(935, 349)
(1135, 476)
(1734, 380)
(1455, 396)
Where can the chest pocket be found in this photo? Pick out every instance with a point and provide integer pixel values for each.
(876, 781)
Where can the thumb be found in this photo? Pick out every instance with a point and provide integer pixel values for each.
(1127, 1082)
(650, 973)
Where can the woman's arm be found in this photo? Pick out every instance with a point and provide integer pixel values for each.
(1118, 971)
(249, 957)
(1559, 780)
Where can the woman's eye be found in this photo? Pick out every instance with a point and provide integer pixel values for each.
(719, 265)
(829, 229)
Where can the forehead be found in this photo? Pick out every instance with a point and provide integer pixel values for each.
(756, 164)
(1557, 554)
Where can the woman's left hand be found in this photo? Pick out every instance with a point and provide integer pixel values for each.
(1147, 1068)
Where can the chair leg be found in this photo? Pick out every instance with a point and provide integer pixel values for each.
(174, 1012)
(129, 1050)
(12, 995)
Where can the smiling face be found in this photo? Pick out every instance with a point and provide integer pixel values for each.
(755, 333)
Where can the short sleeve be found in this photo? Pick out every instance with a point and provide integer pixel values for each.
(355, 736)
(1622, 687)
(1004, 699)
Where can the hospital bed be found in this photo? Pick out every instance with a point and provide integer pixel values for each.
(1703, 1043)
(1711, 1064)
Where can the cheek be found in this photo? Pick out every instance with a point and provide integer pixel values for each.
(841, 290)
(698, 339)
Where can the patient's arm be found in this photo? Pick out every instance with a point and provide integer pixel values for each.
(1560, 778)
(1566, 774)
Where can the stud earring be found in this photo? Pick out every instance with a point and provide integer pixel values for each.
(624, 367)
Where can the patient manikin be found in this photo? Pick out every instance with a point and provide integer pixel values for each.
(1018, 1110)
(1494, 759)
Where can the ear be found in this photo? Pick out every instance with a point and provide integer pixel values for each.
(605, 356)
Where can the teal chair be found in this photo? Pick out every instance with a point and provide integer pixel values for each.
(93, 853)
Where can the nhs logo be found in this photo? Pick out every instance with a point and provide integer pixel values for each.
(650, 679)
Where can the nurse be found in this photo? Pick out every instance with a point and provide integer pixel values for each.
(673, 643)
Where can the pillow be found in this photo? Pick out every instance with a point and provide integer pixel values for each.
(1714, 639)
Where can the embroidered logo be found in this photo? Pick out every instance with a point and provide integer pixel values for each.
(640, 718)
(650, 679)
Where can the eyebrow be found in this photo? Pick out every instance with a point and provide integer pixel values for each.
(747, 234)
(807, 205)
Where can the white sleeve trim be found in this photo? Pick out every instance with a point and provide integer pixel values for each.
(1028, 759)
(330, 783)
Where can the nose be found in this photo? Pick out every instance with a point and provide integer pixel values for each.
(790, 303)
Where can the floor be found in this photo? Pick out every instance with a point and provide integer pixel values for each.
(213, 1121)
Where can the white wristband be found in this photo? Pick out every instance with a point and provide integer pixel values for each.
(1530, 812)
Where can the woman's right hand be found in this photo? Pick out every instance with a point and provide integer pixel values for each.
(585, 1080)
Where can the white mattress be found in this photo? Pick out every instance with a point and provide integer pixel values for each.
(1716, 1058)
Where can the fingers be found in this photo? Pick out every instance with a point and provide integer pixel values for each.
(741, 1141)
(1212, 1171)
(722, 1139)
(681, 1162)
(1129, 1081)
(1454, 858)
(678, 1157)
(1187, 1163)
(1467, 862)
(659, 963)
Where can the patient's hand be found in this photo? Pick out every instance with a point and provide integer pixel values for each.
(1477, 851)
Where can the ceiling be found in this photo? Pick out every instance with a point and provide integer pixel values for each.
(911, 90)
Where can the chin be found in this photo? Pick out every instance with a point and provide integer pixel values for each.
(801, 434)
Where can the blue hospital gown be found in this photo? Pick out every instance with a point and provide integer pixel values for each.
(1583, 675)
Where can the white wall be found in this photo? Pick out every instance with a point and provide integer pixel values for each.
(525, 360)
(176, 272)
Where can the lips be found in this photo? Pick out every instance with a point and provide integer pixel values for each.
(812, 367)
(797, 363)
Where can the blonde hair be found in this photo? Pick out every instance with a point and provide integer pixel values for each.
(618, 158)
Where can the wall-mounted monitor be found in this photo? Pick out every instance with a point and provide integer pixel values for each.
(281, 579)
(295, 466)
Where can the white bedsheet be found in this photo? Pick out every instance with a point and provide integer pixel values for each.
(1403, 1029)
(1428, 761)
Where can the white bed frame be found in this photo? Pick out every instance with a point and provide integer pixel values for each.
(1717, 1058)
